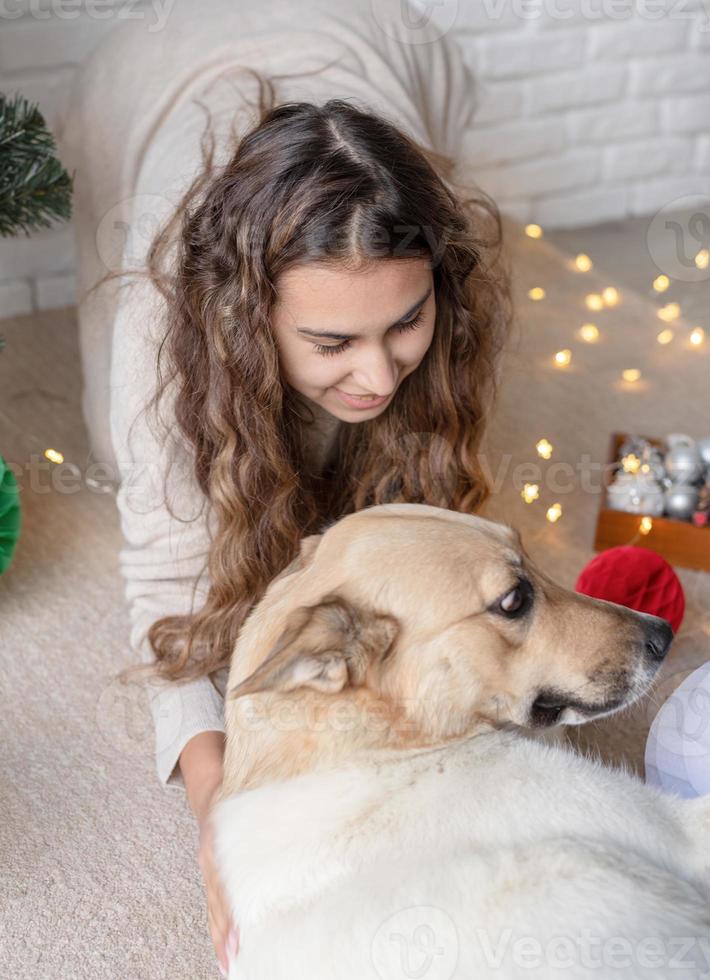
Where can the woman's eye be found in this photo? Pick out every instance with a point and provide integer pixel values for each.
(331, 348)
(403, 327)
(516, 601)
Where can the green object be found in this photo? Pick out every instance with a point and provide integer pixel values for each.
(10, 515)
(35, 189)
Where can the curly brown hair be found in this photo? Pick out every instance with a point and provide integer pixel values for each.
(315, 183)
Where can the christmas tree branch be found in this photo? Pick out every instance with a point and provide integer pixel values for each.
(35, 189)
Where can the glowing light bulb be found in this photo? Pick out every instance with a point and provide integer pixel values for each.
(697, 335)
(563, 357)
(536, 293)
(554, 513)
(594, 301)
(631, 374)
(530, 492)
(631, 463)
(544, 448)
(583, 263)
(534, 231)
(665, 336)
(645, 525)
(589, 332)
(611, 296)
(669, 312)
(661, 283)
(54, 455)
(702, 259)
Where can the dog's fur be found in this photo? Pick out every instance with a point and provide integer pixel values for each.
(390, 807)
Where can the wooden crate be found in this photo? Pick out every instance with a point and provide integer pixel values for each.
(679, 542)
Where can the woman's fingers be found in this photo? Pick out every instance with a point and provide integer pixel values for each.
(218, 911)
(223, 931)
(219, 939)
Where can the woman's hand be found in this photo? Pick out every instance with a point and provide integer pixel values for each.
(223, 930)
(202, 767)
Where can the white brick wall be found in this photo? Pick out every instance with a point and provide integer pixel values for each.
(588, 110)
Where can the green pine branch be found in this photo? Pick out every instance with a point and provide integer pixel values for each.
(35, 189)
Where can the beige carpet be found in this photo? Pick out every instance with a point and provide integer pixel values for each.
(99, 870)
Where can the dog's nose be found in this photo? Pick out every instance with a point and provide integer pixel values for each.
(659, 636)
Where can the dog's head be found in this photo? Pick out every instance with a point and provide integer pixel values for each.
(442, 621)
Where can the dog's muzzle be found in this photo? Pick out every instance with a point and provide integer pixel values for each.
(547, 708)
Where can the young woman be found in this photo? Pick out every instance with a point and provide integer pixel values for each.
(333, 310)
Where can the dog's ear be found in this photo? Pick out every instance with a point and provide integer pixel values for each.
(305, 554)
(323, 647)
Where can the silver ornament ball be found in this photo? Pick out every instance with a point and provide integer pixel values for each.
(681, 500)
(684, 464)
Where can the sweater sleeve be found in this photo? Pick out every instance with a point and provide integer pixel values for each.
(163, 557)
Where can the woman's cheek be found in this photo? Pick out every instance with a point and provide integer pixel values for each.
(326, 373)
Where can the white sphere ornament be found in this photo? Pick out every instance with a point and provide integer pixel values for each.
(677, 757)
(684, 464)
(681, 501)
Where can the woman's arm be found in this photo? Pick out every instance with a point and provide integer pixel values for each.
(162, 561)
(201, 764)
(163, 557)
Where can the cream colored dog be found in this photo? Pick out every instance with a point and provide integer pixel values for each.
(389, 812)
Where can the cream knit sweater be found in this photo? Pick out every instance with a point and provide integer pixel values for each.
(383, 61)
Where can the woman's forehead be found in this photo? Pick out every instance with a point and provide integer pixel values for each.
(323, 297)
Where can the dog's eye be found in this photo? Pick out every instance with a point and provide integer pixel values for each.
(515, 602)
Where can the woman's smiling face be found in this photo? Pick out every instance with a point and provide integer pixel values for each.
(358, 333)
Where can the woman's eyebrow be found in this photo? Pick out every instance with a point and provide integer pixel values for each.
(354, 336)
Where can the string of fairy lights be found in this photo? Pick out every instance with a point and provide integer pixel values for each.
(590, 334)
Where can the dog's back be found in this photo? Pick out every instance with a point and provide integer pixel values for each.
(479, 859)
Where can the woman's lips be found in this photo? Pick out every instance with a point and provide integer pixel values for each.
(353, 402)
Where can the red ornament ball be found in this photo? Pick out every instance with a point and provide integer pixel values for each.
(635, 577)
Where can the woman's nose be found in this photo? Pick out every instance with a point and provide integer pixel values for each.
(375, 373)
